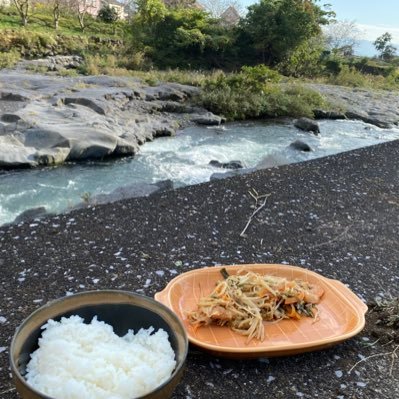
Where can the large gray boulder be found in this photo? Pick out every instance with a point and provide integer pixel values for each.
(301, 146)
(308, 125)
(13, 154)
(227, 165)
(73, 119)
(207, 119)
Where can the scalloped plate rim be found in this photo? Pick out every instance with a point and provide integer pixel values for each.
(336, 286)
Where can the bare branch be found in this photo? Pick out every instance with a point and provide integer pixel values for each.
(218, 7)
(392, 354)
(254, 194)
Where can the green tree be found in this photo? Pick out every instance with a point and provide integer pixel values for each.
(108, 14)
(383, 45)
(185, 37)
(150, 12)
(23, 8)
(305, 60)
(272, 29)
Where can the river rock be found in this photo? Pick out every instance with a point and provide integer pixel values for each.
(334, 115)
(55, 63)
(170, 92)
(371, 106)
(75, 119)
(52, 156)
(307, 125)
(301, 146)
(207, 119)
(226, 165)
(13, 154)
(10, 118)
(372, 118)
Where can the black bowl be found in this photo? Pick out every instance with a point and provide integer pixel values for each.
(121, 309)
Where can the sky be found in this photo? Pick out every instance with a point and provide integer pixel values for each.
(373, 17)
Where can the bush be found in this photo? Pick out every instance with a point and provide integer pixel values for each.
(293, 101)
(305, 61)
(350, 77)
(252, 93)
(9, 59)
(239, 95)
(393, 79)
(333, 66)
(108, 14)
(233, 103)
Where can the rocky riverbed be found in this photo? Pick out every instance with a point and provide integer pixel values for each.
(379, 108)
(46, 120)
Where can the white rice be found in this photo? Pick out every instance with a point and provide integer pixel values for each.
(89, 361)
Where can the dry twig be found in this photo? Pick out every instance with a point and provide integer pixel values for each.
(258, 206)
(392, 354)
(343, 234)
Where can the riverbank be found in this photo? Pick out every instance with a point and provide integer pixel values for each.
(49, 120)
(195, 155)
(337, 215)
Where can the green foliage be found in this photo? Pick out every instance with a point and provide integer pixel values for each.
(383, 45)
(255, 93)
(9, 60)
(184, 38)
(392, 79)
(305, 60)
(108, 14)
(97, 64)
(333, 65)
(150, 12)
(273, 29)
(251, 79)
(41, 21)
(351, 77)
(296, 101)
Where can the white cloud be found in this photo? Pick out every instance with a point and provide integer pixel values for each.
(371, 32)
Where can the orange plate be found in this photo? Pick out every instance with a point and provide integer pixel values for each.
(341, 314)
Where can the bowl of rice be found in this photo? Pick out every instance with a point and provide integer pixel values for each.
(99, 345)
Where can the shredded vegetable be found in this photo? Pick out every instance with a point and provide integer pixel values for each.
(243, 301)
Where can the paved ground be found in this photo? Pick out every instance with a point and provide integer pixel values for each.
(337, 215)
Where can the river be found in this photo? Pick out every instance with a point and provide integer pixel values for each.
(184, 159)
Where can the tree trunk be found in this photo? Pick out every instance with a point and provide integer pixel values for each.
(82, 21)
(56, 16)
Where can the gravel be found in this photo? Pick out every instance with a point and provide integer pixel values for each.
(337, 216)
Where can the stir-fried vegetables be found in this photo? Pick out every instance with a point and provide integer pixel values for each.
(243, 302)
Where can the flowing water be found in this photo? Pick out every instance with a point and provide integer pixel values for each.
(184, 159)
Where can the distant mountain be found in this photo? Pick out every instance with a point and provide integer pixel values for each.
(367, 49)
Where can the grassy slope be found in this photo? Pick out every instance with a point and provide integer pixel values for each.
(41, 21)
